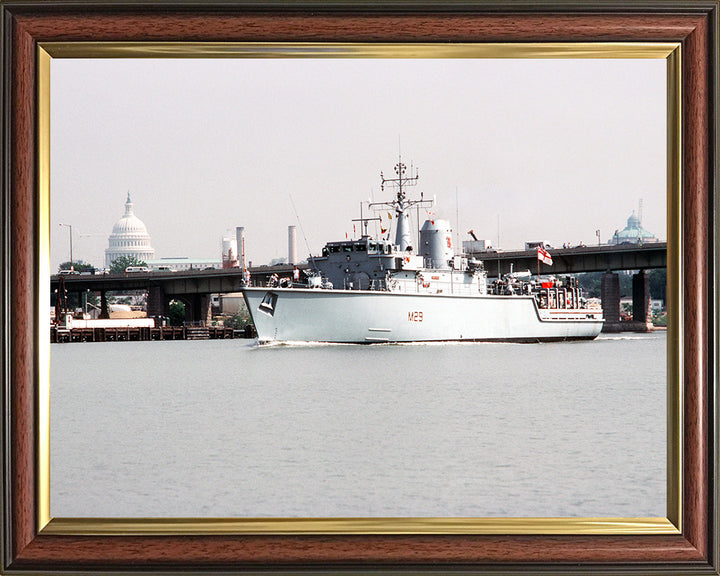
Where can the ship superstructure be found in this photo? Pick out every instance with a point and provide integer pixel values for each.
(372, 290)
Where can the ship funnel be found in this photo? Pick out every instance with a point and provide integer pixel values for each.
(436, 244)
(292, 245)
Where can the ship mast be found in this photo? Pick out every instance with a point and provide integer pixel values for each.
(364, 221)
(401, 204)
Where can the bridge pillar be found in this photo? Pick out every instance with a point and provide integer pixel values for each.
(206, 309)
(157, 303)
(642, 317)
(104, 311)
(200, 309)
(610, 297)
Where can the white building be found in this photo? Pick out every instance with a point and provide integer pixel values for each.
(129, 238)
(180, 264)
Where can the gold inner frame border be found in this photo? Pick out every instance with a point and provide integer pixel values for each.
(671, 524)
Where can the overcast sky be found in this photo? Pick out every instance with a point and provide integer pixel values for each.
(551, 149)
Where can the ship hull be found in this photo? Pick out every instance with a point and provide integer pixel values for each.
(356, 316)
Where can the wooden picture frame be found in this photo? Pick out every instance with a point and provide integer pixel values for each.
(29, 547)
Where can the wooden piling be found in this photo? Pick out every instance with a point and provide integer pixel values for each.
(140, 334)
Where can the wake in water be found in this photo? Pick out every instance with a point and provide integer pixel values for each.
(300, 344)
(628, 337)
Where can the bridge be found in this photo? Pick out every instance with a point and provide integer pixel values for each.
(579, 259)
(192, 287)
(607, 259)
(195, 287)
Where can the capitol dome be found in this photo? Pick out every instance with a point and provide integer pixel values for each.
(129, 238)
(633, 233)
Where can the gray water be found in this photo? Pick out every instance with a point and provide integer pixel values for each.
(226, 429)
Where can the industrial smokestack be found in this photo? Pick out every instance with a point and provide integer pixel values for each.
(229, 252)
(292, 245)
(240, 245)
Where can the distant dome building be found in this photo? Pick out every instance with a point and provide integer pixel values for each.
(633, 233)
(129, 238)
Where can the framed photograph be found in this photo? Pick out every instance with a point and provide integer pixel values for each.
(377, 440)
(413, 501)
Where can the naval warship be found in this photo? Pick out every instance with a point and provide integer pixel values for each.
(371, 290)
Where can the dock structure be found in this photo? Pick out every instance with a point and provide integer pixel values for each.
(141, 334)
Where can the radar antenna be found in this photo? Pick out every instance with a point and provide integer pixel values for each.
(401, 204)
(364, 221)
(401, 180)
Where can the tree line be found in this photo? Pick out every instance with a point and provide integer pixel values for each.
(116, 267)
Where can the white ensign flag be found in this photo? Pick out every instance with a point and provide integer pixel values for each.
(543, 256)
